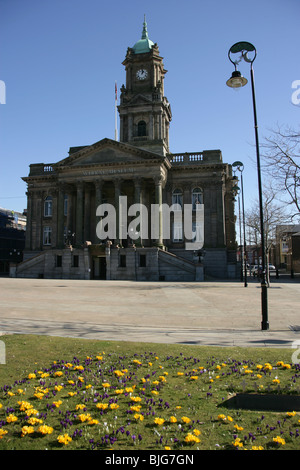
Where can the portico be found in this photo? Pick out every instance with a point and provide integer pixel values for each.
(81, 200)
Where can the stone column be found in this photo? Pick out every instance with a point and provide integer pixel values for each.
(87, 215)
(158, 200)
(79, 214)
(39, 207)
(28, 233)
(98, 193)
(60, 217)
(70, 228)
(151, 127)
(121, 129)
(117, 184)
(209, 218)
(160, 136)
(220, 216)
(98, 201)
(130, 127)
(138, 200)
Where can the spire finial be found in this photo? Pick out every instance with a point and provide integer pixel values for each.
(145, 32)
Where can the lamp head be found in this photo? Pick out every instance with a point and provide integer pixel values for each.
(236, 80)
(238, 165)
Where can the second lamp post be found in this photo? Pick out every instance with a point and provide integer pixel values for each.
(240, 167)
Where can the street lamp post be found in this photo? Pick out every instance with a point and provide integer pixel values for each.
(236, 192)
(240, 167)
(237, 81)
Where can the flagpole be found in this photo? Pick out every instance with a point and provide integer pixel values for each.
(116, 99)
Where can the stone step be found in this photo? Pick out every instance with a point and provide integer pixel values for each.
(175, 262)
(31, 262)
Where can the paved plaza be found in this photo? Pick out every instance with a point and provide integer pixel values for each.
(203, 313)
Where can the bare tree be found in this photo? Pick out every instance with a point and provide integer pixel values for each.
(281, 161)
(275, 214)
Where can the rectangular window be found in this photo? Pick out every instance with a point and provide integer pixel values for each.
(47, 235)
(58, 261)
(122, 261)
(142, 261)
(75, 261)
(48, 206)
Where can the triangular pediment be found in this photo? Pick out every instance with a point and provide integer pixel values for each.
(108, 152)
(139, 99)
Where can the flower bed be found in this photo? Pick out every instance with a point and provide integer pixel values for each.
(146, 401)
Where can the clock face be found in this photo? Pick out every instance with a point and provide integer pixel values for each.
(141, 74)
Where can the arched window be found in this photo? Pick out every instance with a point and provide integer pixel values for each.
(177, 197)
(142, 129)
(197, 198)
(48, 206)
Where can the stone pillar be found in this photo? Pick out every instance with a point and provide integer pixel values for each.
(158, 200)
(87, 215)
(98, 201)
(220, 216)
(160, 136)
(151, 127)
(130, 127)
(98, 193)
(121, 129)
(117, 184)
(60, 217)
(138, 200)
(79, 214)
(70, 228)
(208, 210)
(39, 208)
(28, 233)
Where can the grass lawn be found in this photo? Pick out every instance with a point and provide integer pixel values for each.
(65, 393)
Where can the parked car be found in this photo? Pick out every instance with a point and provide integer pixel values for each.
(256, 270)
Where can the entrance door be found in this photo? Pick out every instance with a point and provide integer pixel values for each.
(99, 267)
(102, 267)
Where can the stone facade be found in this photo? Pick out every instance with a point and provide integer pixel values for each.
(63, 197)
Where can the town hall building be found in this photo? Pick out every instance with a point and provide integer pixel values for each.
(67, 200)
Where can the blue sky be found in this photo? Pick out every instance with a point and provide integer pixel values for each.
(60, 59)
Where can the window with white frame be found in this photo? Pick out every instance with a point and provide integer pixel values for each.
(47, 232)
(177, 197)
(48, 206)
(197, 198)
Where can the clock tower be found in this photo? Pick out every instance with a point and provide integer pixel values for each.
(145, 112)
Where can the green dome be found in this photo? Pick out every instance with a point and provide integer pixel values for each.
(144, 45)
